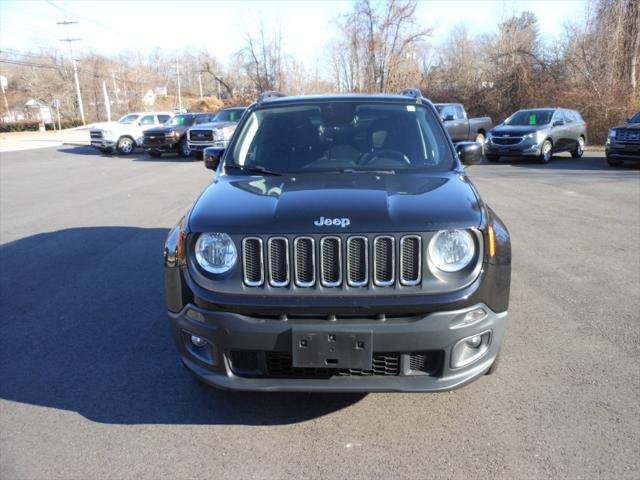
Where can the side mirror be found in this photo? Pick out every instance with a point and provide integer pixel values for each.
(627, 120)
(447, 118)
(211, 157)
(470, 153)
(558, 123)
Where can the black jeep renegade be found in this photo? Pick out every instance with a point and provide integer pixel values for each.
(340, 247)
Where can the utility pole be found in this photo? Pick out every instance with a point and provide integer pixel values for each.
(75, 67)
(107, 105)
(115, 88)
(179, 93)
(4, 97)
(200, 83)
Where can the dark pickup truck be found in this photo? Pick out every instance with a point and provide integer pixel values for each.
(461, 128)
(171, 137)
(623, 142)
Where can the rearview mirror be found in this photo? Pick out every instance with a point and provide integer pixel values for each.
(211, 157)
(470, 153)
(447, 118)
(558, 123)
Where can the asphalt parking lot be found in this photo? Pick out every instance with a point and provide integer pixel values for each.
(91, 385)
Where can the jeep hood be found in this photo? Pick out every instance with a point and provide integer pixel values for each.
(371, 202)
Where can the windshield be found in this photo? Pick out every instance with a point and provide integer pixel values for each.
(182, 120)
(530, 118)
(231, 115)
(342, 136)
(129, 119)
(635, 118)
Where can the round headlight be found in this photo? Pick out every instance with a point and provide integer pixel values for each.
(451, 250)
(216, 252)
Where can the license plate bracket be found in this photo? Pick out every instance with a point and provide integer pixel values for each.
(327, 348)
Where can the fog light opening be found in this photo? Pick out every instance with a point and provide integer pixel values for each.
(470, 349)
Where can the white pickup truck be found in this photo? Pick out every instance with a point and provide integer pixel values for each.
(127, 133)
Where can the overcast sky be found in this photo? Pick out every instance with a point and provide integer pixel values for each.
(114, 26)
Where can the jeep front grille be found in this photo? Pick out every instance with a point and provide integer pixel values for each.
(332, 261)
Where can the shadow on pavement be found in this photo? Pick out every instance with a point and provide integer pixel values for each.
(85, 330)
(137, 156)
(590, 161)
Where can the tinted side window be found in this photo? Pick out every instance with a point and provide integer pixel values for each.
(163, 118)
(459, 112)
(148, 120)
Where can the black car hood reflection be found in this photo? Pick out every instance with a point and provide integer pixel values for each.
(373, 202)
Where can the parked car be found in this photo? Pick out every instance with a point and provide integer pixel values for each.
(172, 136)
(460, 127)
(127, 133)
(341, 247)
(623, 142)
(538, 133)
(216, 133)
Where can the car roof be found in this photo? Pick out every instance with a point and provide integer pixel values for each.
(446, 104)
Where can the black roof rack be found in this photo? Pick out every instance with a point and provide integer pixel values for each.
(270, 94)
(412, 92)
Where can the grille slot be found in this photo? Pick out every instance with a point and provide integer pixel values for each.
(383, 261)
(410, 260)
(278, 261)
(330, 262)
(252, 261)
(305, 261)
(357, 261)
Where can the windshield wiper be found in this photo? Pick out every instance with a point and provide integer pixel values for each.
(255, 169)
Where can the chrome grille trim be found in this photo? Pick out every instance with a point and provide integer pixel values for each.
(274, 282)
(350, 262)
(246, 260)
(297, 246)
(323, 270)
(416, 259)
(389, 279)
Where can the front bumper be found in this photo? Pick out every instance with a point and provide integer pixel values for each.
(200, 146)
(622, 151)
(103, 143)
(430, 335)
(159, 146)
(519, 150)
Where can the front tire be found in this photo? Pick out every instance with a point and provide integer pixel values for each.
(126, 145)
(480, 138)
(492, 158)
(154, 154)
(183, 148)
(546, 151)
(106, 149)
(579, 151)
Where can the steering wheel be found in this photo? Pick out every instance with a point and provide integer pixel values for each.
(394, 155)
